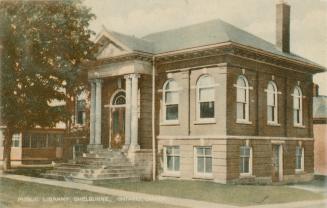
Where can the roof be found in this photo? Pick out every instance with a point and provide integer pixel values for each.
(320, 107)
(201, 34)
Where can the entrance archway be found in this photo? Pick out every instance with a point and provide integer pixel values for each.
(117, 126)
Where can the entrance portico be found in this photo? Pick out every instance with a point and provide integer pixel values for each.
(124, 114)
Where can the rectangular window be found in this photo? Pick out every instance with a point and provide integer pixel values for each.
(171, 102)
(298, 158)
(15, 140)
(80, 112)
(172, 159)
(203, 161)
(245, 156)
(207, 109)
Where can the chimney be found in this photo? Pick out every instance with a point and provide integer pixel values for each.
(283, 11)
(315, 90)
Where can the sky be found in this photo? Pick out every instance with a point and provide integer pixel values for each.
(141, 17)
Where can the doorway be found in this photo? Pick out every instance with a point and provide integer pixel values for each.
(117, 124)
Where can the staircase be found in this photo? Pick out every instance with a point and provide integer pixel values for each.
(96, 167)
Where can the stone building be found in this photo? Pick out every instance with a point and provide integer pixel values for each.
(219, 103)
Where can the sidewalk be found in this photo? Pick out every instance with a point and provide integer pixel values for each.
(156, 198)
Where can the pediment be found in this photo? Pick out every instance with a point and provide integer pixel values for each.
(109, 48)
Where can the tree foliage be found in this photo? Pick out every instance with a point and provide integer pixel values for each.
(44, 43)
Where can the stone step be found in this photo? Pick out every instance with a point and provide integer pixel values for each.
(99, 181)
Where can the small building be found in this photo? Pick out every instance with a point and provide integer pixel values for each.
(320, 134)
(219, 103)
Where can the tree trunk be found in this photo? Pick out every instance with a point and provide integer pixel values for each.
(7, 149)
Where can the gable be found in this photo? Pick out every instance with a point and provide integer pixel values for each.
(109, 50)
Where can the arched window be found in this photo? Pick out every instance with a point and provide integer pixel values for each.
(297, 106)
(242, 99)
(119, 98)
(272, 103)
(205, 97)
(170, 100)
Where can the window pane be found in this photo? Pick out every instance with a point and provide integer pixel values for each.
(176, 150)
(270, 113)
(246, 165)
(169, 150)
(177, 163)
(207, 110)
(207, 94)
(208, 165)
(241, 95)
(200, 151)
(171, 112)
(240, 110)
(296, 103)
(200, 164)
(171, 85)
(171, 98)
(170, 163)
(270, 99)
(208, 151)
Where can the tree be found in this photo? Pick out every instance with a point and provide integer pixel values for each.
(43, 44)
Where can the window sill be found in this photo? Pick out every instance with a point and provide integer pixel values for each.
(171, 174)
(170, 123)
(299, 126)
(243, 122)
(246, 175)
(273, 124)
(299, 171)
(207, 177)
(204, 121)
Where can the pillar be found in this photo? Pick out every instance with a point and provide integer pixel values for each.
(128, 91)
(134, 113)
(98, 108)
(92, 113)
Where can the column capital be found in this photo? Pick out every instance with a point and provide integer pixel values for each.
(127, 76)
(98, 81)
(135, 76)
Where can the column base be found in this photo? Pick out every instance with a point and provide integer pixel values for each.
(125, 148)
(93, 147)
(134, 148)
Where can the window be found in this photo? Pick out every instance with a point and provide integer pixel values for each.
(205, 98)
(272, 103)
(171, 100)
(172, 159)
(297, 106)
(15, 140)
(242, 99)
(299, 158)
(203, 161)
(26, 140)
(119, 98)
(245, 160)
(80, 112)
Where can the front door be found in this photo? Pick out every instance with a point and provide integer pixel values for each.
(276, 162)
(117, 128)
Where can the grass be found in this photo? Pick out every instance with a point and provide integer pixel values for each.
(17, 194)
(242, 195)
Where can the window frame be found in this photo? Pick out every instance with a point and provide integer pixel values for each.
(198, 101)
(164, 104)
(300, 97)
(243, 174)
(174, 155)
(203, 174)
(246, 120)
(301, 169)
(273, 93)
(16, 138)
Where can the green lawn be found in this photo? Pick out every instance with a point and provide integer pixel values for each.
(17, 194)
(219, 193)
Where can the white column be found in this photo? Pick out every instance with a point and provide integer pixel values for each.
(128, 91)
(98, 106)
(134, 119)
(92, 113)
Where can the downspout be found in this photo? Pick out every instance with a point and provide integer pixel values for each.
(153, 120)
